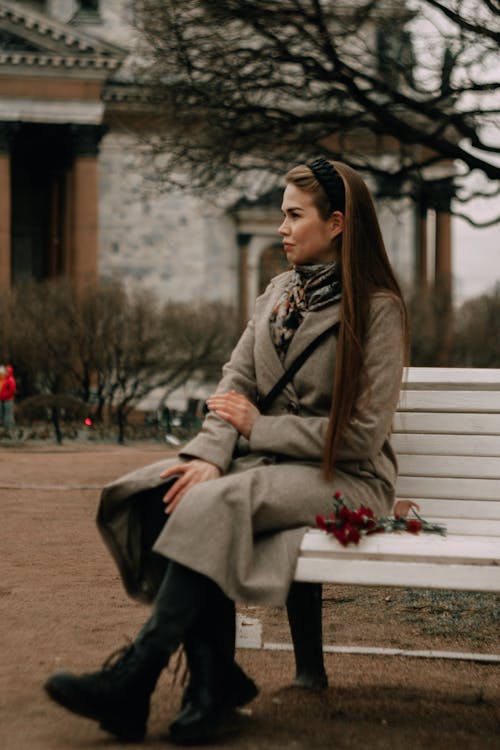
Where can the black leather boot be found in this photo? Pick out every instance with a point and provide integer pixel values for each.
(304, 607)
(217, 684)
(201, 719)
(238, 687)
(118, 695)
(218, 633)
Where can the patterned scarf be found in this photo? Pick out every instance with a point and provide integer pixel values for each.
(310, 288)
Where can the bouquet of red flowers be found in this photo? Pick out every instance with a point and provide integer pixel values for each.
(348, 526)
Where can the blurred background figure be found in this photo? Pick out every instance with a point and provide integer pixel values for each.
(7, 393)
(3, 373)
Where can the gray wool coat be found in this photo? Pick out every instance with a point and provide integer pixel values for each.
(244, 529)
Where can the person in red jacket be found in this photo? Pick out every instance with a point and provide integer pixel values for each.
(7, 393)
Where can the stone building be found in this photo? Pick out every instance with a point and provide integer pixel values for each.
(73, 200)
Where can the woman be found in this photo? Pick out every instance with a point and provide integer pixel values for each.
(245, 489)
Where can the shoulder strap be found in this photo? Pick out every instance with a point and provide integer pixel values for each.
(265, 402)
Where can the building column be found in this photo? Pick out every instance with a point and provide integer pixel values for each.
(443, 267)
(5, 206)
(443, 261)
(422, 272)
(243, 240)
(84, 250)
(443, 247)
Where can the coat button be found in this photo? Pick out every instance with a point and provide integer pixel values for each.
(292, 407)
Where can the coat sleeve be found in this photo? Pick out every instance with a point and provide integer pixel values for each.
(217, 439)
(8, 390)
(304, 437)
(298, 437)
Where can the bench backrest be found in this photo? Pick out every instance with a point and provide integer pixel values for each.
(447, 437)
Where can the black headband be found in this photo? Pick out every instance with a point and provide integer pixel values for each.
(330, 181)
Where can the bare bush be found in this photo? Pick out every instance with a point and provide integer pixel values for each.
(58, 408)
(431, 327)
(476, 340)
(465, 337)
(109, 347)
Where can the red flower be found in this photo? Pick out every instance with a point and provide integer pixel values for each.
(352, 535)
(339, 534)
(413, 526)
(348, 526)
(364, 511)
(346, 535)
(344, 514)
(321, 523)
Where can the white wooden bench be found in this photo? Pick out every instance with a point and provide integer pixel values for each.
(447, 437)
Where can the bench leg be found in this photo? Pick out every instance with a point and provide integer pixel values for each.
(304, 607)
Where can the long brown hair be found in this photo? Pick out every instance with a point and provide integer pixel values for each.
(365, 269)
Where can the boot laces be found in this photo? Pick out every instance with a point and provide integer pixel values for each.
(118, 659)
(180, 668)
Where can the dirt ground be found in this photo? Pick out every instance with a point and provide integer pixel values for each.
(62, 606)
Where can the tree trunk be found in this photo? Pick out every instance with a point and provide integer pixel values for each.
(57, 425)
(121, 425)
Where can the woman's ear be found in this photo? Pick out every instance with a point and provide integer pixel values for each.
(337, 223)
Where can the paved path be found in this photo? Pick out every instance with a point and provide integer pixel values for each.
(62, 606)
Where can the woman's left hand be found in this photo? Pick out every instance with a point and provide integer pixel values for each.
(236, 409)
(403, 507)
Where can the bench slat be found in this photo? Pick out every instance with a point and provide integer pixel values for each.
(454, 401)
(442, 487)
(416, 575)
(460, 424)
(472, 526)
(447, 445)
(450, 466)
(475, 509)
(406, 547)
(480, 378)
(447, 438)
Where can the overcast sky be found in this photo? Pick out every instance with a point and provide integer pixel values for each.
(476, 256)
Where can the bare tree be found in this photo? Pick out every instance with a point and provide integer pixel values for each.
(151, 348)
(41, 340)
(244, 89)
(126, 344)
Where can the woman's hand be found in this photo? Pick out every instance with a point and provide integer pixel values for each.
(236, 409)
(403, 507)
(192, 472)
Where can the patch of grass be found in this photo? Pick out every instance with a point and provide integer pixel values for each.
(451, 614)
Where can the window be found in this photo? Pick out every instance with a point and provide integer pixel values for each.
(395, 56)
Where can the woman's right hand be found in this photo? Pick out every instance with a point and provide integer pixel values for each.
(192, 472)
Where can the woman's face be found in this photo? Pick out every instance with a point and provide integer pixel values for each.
(307, 238)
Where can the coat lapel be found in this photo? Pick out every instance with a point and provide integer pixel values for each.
(267, 360)
(311, 327)
(269, 363)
